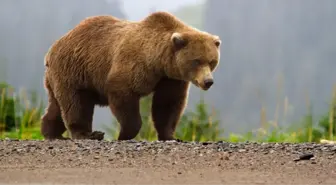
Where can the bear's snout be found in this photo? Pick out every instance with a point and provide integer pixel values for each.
(208, 83)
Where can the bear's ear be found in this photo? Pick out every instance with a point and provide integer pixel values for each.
(178, 40)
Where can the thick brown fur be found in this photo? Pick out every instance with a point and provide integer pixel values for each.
(111, 62)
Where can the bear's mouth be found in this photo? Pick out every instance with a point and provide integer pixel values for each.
(195, 82)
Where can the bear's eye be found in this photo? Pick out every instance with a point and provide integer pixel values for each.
(196, 62)
(217, 43)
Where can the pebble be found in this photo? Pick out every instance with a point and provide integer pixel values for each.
(96, 157)
(307, 156)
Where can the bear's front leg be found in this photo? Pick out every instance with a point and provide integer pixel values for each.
(169, 102)
(126, 110)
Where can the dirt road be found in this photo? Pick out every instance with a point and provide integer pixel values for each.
(130, 162)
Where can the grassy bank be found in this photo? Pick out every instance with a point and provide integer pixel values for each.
(20, 115)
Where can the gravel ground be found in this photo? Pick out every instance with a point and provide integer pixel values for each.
(131, 162)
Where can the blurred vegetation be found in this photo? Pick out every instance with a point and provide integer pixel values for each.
(20, 117)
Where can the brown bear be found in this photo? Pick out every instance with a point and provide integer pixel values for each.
(111, 62)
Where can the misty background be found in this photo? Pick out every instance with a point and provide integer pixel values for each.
(275, 55)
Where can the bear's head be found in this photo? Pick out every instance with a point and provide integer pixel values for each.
(196, 55)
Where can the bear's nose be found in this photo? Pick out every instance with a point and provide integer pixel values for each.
(208, 83)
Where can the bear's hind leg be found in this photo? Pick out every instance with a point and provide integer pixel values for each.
(77, 111)
(52, 126)
(168, 104)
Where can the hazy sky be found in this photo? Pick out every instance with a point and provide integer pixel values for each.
(137, 9)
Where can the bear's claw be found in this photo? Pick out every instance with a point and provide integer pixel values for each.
(97, 135)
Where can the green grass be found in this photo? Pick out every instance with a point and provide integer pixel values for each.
(20, 118)
(20, 115)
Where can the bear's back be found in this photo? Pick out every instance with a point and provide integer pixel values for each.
(83, 53)
(88, 38)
